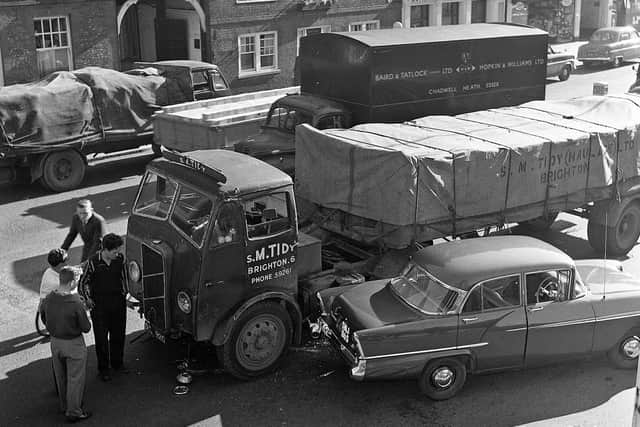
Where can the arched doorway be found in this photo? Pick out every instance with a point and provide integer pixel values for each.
(182, 34)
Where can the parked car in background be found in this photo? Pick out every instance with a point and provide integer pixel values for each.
(635, 86)
(559, 64)
(482, 305)
(610, 45)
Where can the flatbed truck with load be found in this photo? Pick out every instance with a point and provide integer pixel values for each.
(390, 75)
(48, 128)
(223, 250)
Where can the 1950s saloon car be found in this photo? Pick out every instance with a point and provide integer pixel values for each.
(481, 305)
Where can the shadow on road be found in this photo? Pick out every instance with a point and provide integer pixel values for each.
(105, 172)
(21, 343)
(312, 389)
(112, 205)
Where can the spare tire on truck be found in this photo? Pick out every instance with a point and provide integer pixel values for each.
(614, 228)
(63, 170)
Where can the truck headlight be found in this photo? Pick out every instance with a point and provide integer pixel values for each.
(134, 271)
(184, 302)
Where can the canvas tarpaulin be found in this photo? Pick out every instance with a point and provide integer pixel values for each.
(486, 167)
(66, 104)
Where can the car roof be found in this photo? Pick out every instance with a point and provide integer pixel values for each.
(617, 29)
(223, 172)
(309, 102)
(186, 63)
(463, 263)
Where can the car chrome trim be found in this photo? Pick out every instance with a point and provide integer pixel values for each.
(618, 316)
(565, 323)
(517, 329)
(412, 353)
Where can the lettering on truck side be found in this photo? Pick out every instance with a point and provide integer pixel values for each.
(272, 261)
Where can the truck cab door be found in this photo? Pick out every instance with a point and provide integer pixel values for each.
(223, 276)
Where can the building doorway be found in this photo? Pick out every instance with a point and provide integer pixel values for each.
(153, 30)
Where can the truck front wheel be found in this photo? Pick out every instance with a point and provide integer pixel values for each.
(258, 341)
(620, 237)
(63, 170)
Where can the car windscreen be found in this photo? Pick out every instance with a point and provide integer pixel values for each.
(285, 118)
(155, 196)
(604, 37)
(422, 291)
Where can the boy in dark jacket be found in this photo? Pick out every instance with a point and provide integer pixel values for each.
(66, 319)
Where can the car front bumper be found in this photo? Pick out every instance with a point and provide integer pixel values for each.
(357, 364)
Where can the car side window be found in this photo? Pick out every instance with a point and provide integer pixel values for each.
(625, 36)
(330, 122)
(268, 215)
(548, 286)
(495, 293)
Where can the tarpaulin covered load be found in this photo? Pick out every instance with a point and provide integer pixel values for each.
(442, 175)
(65, 105)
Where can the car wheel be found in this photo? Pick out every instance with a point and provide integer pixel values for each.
(625, 353)
(442, 379)
(258, 341)
(621, 236)
(565, 73)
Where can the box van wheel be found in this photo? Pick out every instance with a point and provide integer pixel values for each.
(63, 170)
(258, 341)
(443, 378)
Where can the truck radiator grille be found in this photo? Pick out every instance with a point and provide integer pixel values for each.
(153, 288)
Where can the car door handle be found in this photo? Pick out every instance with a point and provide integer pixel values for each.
(209, 284)
(469, 319)
(532, 309)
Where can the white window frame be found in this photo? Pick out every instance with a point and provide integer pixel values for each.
(364, 24)
(303, 32)
(259, 70)
(67, 31)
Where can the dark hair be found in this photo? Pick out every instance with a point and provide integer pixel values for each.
(112, 241)
(56, 257)
(67, 274)
(84, 203)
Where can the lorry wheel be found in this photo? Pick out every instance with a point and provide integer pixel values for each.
(63, 170)
(443, 378)
(258, 341)
(624, 354)
(542, 223)
(565, 73)
(621, 236)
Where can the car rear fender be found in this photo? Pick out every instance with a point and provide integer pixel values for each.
(465, 355)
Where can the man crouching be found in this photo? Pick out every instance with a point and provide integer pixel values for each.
(65, 316)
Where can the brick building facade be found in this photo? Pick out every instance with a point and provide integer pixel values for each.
(41, 36)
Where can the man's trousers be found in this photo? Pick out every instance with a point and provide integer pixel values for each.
(70, 368)
(109, 318)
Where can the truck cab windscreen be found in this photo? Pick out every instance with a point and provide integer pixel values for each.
(155, 197)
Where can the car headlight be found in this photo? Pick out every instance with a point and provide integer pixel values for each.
(134, 271)
(184, 302)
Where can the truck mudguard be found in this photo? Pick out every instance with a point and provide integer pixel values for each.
(223, 330)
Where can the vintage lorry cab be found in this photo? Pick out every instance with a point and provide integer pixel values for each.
(212, 246)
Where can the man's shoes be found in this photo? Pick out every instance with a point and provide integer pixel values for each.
(104, 376)
(75, 418)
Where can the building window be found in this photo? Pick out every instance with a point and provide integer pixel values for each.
(258, 53)
(478, 11)
(307, 31)
(419, 16)
(53, 44)
(364, 26)
(450, 13)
